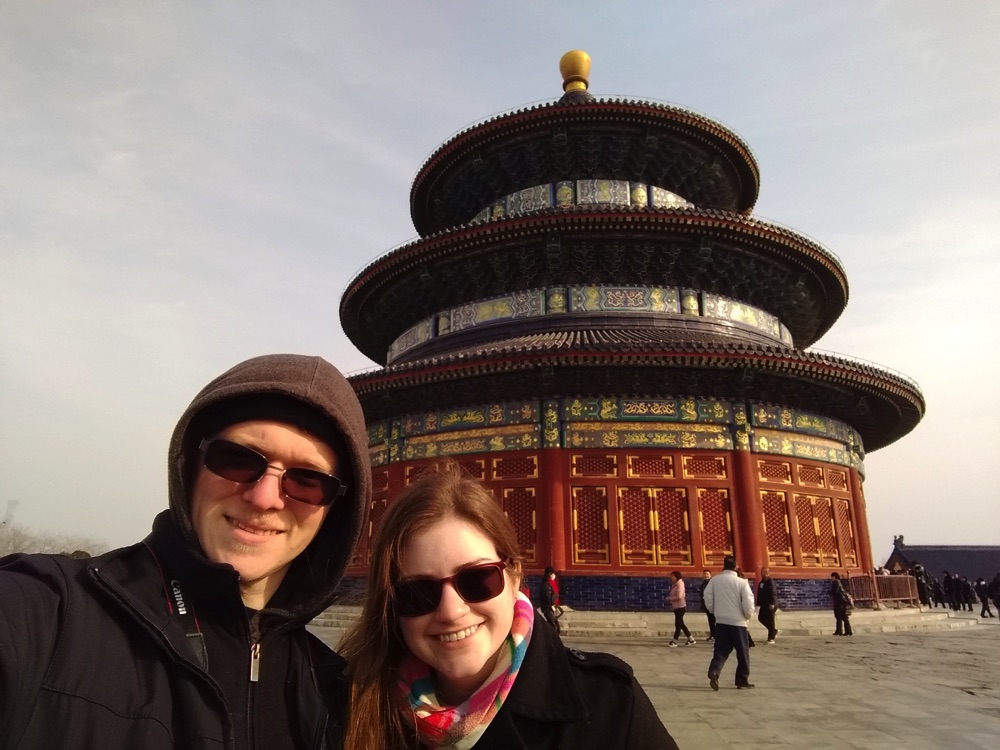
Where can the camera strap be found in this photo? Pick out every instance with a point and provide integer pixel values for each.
(183, 610)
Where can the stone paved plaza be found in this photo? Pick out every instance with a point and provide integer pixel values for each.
(875, 691)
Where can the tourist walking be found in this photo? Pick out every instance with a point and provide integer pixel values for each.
(706, 576)
(939, 597)
(728, 597)
(678, 603)
(842, 605)
(968, 594)
(983, 592)
(550, 598)
(767, 603)
(739, 572)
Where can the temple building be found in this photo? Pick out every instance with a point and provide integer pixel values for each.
(595, 325)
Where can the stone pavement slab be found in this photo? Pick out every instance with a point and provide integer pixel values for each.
(909, 690)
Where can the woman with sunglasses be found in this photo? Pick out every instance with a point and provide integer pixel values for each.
(447, 654)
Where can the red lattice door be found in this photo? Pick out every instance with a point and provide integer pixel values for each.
(636, 526)
(826, 533)
(776, 528)
(519, 505)
(805, 521)
(673, 526)
(714, 512)
(847, 546)
(591, 542)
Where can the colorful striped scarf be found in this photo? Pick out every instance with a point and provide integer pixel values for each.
(460, 727)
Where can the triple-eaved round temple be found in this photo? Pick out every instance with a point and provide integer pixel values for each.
(594, 324)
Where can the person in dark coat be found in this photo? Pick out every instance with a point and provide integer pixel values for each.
(953, 590)
(939, 596)
(448, 653)
(994, 589)
(970, 593)
(741, 574)
(983, 592)
(706, 576)
(196, 636)
(920, 577)
(550, 598)
(767, 603)
(841, 605)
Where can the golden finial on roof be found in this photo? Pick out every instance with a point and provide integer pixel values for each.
(575, 69)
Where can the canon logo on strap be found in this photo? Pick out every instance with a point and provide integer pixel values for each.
(175, 586)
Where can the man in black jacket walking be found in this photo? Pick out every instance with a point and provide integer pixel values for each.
(196, 637)
(767, 601)
(983, 592)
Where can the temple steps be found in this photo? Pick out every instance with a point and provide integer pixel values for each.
(659, 626)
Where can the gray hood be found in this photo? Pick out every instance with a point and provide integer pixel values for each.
(337, 417)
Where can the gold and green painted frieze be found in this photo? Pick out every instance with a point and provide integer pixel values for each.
(683, 423)
(588, 300)
(774, 417)
(656, 435)
(712, 411)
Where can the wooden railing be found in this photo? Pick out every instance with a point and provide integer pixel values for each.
(875, 591)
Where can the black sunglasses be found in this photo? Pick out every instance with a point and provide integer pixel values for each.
(237, 463)
(478, 583)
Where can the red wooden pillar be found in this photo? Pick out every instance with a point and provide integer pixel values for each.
(860, 512)
(749, 517)
(552, 493)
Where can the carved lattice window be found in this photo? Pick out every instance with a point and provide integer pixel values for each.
(594, 466)
(774, 471)
(837, 479)
(708, 467)
(811, 476)
(380, 480)
(475, 468)
(661, 467)
(524, 467)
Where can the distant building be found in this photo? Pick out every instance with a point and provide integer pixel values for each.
(970, 561)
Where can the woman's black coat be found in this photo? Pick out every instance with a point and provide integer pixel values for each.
(564, 698)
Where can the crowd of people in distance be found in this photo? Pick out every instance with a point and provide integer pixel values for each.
(956, 591)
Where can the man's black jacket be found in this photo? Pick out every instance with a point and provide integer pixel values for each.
(92, 652)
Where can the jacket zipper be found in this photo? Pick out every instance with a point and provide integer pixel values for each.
(255, 661)
(254, 636)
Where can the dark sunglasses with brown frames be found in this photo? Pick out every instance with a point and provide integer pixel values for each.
(477, 583)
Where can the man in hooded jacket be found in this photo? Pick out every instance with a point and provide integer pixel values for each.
(195, 637)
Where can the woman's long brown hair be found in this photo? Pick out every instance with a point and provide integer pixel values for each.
(374, 647)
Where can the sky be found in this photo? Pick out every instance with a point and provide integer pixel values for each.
(185, 185)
